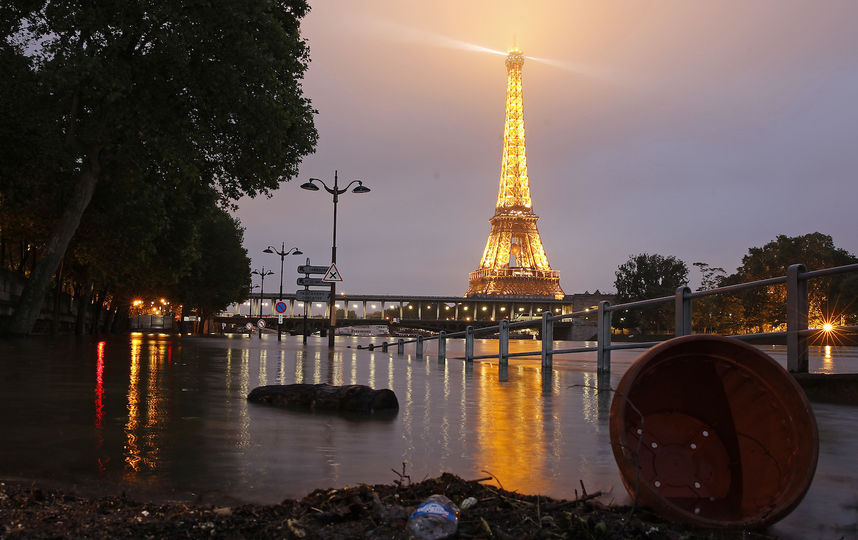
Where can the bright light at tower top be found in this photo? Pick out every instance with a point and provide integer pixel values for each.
(515, 58)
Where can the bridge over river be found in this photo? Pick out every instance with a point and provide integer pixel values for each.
(450, 313)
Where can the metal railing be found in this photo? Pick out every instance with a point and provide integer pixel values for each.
(797, 332)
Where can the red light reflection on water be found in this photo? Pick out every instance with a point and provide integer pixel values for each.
(99, 401)
(99, 386)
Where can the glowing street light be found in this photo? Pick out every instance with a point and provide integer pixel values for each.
(283, 252)
(335, 193)
(261, 273)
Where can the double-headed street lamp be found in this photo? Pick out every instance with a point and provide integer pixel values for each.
(261, 273)
(283, 252)
(335, 192)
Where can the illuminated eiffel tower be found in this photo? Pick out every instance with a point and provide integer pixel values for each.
(514, 262)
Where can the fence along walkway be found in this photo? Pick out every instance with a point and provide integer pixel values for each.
(797, 332)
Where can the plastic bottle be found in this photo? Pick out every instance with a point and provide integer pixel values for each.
(435, 518)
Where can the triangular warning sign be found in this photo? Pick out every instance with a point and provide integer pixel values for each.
(332, 274)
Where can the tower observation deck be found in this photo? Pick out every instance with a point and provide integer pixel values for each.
(514, 262)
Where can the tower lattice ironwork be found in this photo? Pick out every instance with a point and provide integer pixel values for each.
(514, 262)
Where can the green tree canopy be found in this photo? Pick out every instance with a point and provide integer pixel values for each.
(176, 92)
(830, 298)
(646, 276)
(220, 275)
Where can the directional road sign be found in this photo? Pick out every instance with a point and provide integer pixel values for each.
(312, 296)
(313, 282)
(280, 307)
(310, 269)
(332, 274)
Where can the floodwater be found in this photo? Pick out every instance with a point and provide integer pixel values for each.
(166, 417)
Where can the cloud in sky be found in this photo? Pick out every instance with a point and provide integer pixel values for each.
(689, 129)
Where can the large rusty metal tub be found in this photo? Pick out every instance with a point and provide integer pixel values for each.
(711, 431)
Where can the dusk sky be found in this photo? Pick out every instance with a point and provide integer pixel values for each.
(692, 129)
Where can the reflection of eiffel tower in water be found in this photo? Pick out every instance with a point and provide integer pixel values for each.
(514, 262)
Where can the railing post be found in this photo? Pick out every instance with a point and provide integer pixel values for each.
(683, 311)
(547, 340)
(503, 343)
(442, 345)
(384, 347)
(419, 346)
(603, 335)
(469, 344)
(400, 347)
(796, 309)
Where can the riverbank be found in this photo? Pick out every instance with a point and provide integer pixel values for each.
(379, 511)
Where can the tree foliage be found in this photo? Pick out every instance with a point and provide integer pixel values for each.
(711, 314)
(830, 298)
(180, 94)
(219, 276)
(647, 276)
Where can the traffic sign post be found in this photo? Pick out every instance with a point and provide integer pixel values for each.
(313, 282)
(308, 269)
(306, 295)
(332, 274)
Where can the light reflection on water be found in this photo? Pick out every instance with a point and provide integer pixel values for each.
(172, 413)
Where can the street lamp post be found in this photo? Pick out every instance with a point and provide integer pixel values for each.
(335, 192)
(283, 252)
(261, 273)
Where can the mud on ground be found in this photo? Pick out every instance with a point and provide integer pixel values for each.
(378, 512)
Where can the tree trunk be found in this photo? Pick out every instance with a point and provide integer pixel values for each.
(98, 316)
(122, 318)
(83, 300)
(30, 302)
(58, 290)
(111, 315)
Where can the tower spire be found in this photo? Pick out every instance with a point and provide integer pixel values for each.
(514, 262)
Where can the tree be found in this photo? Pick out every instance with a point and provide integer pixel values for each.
(648, 276)
(221, 273)
(710, 313)
(175, 92)
(830, 298)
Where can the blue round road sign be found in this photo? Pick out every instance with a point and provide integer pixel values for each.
(280, 307)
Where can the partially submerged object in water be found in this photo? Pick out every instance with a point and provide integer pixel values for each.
(350, 398)
(711, 431)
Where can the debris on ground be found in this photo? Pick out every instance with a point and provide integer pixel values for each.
(363, 511)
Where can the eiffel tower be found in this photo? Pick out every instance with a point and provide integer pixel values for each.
(514, 262)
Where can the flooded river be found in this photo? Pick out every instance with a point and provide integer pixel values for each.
(167, 417)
